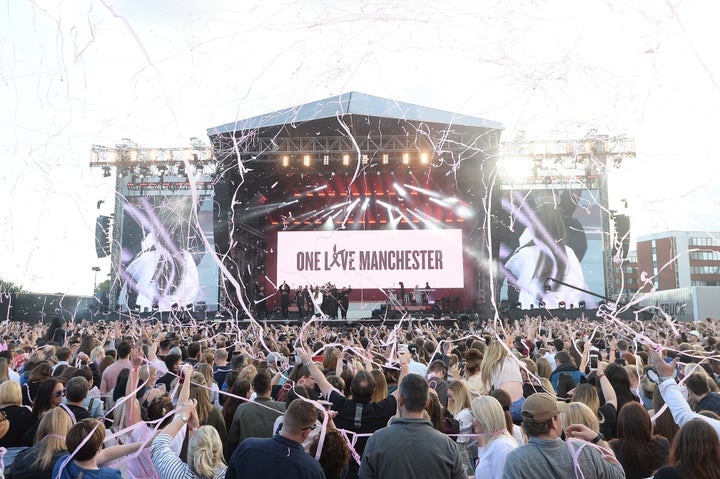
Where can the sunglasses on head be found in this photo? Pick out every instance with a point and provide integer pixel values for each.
(59, 393)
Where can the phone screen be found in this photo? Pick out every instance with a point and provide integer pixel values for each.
(593, 361)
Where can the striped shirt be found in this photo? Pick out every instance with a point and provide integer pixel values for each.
(169, 465)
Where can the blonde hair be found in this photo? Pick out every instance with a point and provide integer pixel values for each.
(579, 413)
(205, 452)
(56, 422)
(544, 368)
(97, 354)
(587, 394)
(10, 394)
(146, 371)
(207, 371)
(495, 354)
(463, 397)
(381, 389)
(489, 419)
(4, 374)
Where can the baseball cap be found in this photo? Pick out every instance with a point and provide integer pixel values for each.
(540, 407)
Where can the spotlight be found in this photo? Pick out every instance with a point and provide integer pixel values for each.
(561, 305)
(285, 160)
(385, 159)
(346, 160)
(306, 160)
(581, 304)
(106, 172)
(406, 158)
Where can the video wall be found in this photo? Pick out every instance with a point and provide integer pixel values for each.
(164, 261)
(547, 234)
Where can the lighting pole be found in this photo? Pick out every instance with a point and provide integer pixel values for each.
(95, 269)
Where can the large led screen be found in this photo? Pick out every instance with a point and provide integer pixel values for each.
(547, 235)
(371, 259)
(164, 261)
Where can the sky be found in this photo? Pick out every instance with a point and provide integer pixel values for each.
(74, 74)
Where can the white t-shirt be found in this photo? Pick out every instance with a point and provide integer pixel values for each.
(491, 459)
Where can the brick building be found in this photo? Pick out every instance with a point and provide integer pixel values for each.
(675, 259)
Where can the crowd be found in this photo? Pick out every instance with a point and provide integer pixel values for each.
(531, 399)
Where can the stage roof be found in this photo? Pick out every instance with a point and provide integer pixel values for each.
(353, 103)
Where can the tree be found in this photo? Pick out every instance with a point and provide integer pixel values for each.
(11, 287)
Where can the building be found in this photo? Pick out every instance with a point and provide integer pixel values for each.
(626, 275)
(676, 259)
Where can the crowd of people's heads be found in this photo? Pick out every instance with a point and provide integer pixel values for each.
(468, 370)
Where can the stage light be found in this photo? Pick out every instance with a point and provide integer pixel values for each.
(561, 305)
(406, 158)
(133, 155)
(346, 160)
(423, 158)
(581, 304)
(326, 160)
(401, 191)
(464, 212)
(385, 159)
(106, 172)
(365, 203)
(365, 160)
(112, 157)
(285, 160)
(306, 160)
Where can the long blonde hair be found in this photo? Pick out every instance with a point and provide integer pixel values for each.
(579, 413)
(494, 355)
(205, 452)
(463, 397)
(55, 422)
(489, 419)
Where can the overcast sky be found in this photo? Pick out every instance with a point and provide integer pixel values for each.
(84, 72)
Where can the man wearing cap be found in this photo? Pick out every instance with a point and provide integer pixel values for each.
(546, 455)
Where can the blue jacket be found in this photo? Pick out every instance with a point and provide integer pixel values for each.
(576, 374)
(273, 457)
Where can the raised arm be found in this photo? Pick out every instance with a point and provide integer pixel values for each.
(607, 389)
(132, 411)
(315, 372)
(185, 373)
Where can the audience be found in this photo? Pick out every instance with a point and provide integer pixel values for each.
(477, 375)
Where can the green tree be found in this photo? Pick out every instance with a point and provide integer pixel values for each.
(11, 287)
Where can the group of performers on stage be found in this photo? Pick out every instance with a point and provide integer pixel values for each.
(327, 300)
(416, 296)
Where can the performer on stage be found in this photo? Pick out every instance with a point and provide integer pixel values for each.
(285, 299)
(345, 301)
(302, 301)
(402, 293)
(261, 303)
(426, 293)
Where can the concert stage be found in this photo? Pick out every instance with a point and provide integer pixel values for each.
(356, 191)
